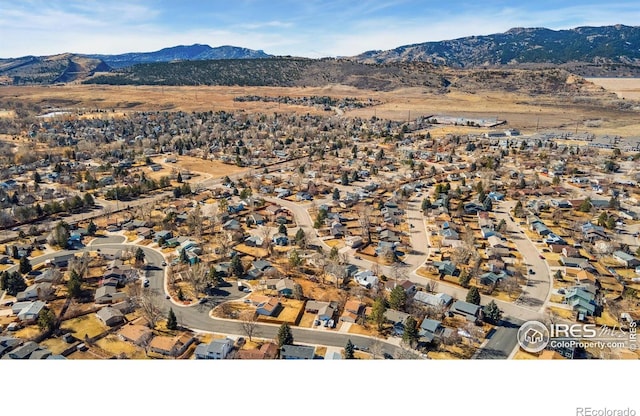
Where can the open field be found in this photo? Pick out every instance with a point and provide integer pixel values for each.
(627, 88)
(520, 110)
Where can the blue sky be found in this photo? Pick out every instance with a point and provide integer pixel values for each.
(310, 28)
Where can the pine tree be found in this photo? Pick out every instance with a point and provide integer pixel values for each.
(349, 351)
(473, 296)
(397, 298)
(74, 285)
(377, 312)
(237, 269)
(410, 334)
(492, 312)
(285, 337)
(172, 321)
(92, 228)
(25, 265)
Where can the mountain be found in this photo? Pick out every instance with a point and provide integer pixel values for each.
(605, 45)
(194, 52)
(53, 69)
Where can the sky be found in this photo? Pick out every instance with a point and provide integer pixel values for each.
(308, 28)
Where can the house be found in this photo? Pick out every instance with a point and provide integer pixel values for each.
(626, 259)
(397, 319)
(496, 242)
(353, 310)
(491, 278)
(110, 316)
(8, 343)
(324, 310)
(581, 300)
(136, 334)
(353, 241)
(111, 253)
(445, 268)
(280, 240)
(267, 351)
(366, 278)
(253, 241)
(435, 300)
(171, 346)
(42, 291)
(269, 308)
(431, 329)
(467, 310)
(297, 352)
(108, 294)
(24, 351)
(231, 225)
(27, 312)
(163, 235)
(145, 233)
(62, 261)
(408, 286)
(574, 262)
(218, 349)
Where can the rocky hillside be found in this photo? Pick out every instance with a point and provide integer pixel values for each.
(594, 45)
(49, 69)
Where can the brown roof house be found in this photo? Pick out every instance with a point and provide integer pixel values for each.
(171, 346)
(269, 308)
(353, 309)
(135, 333)
(267, 351)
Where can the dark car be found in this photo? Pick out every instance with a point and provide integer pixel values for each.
(531, 271)
(387, 356)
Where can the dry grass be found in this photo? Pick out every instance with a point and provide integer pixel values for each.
(361, 330)
(115, 346)
(88, 325)
(27, 332)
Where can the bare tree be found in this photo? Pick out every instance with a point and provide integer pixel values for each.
(80, 264)
(195, 221)
(364, 220)
(376, 349)
(266, 233)
(196, 276)
(149, 307)
(249, 323)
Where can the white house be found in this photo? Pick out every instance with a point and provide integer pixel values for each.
(366, 278)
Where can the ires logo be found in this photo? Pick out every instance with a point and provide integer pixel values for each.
(533, 336)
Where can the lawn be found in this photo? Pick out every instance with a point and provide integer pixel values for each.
(88, 325)
(291, 310)
(27, 332)
(563, 313)
(306, 321)
(115, 346)
(256, 252)
(606, 319)
(55, 345)
(361, 330)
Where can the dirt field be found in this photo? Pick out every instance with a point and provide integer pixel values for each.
(521, 111)
(627, 88)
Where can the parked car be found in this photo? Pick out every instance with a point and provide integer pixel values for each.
(164, 263)
(531, 271)
(146, 283)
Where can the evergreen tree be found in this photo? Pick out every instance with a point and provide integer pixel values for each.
(377, 312)
(15, 283)
(349, 351)
(92, 228)
(74, 285)
(492, 313)
(172, 321)
(397, 298)
(300, 237)
(237, 269)
(139, 256)
(285, 337)
(410, 334)
(473, 296)
(336, 194)
(282, 229)
(25, 265)
(46, 319)
(464, 279)
(4, 280)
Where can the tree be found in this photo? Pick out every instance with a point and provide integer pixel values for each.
(15, 283)
(344, 180)
(349, 350)
(92, 228)
(397, 298)
(74, 285)
(139, 256)
(473, 296)
(285, 337)
(282, 229)
(378, 311)
(46, 319)
(336, 194)
(410, 334)
(464, 279)
(25, 265)
(237, 269)
(586, 205)
(249, 323)
(88, 200)
(300, 238)
(172, 321)
(295, 260)
(492, 312)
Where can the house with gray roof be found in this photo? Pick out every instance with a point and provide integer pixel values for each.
(625, 258)
(467, 310)
(581, 300)
(430, 299)
(24, 351)
(218, 349)
(430, 329)
(110, 316)
(297, 352)
(28, 311)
